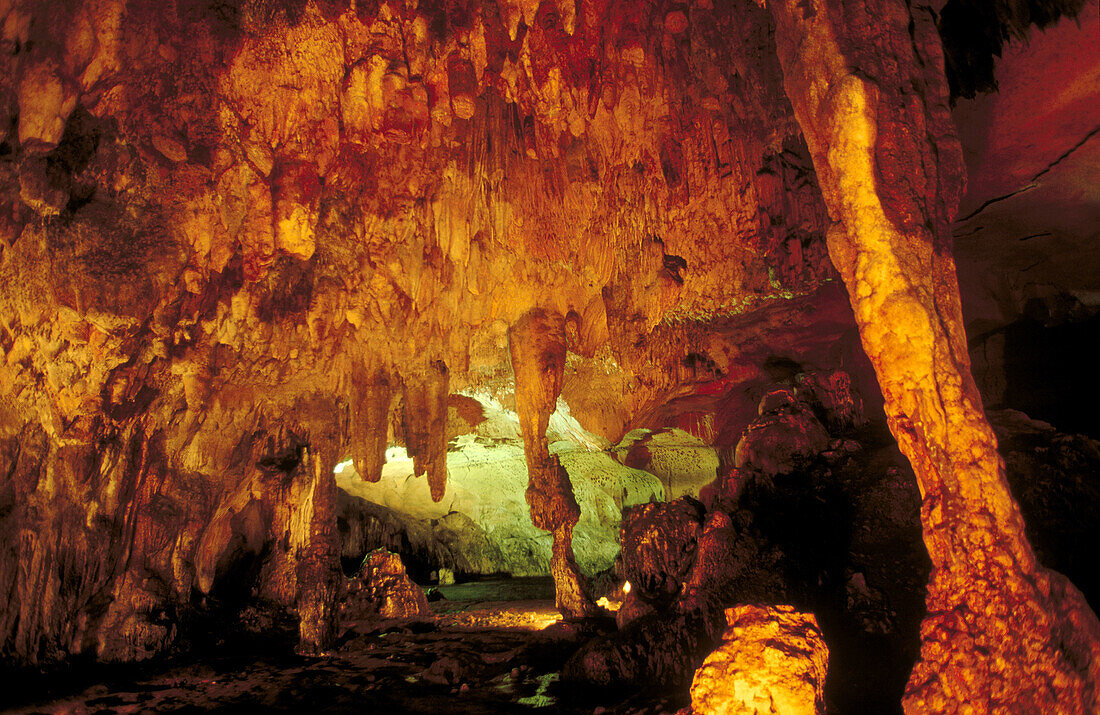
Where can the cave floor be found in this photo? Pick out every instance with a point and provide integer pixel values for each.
(468, 657)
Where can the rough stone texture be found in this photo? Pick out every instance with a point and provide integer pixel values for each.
(682, 567)
(785, 437)
(537, 345)
(425, 420)
(217, 218)
(682, 461)
(381, 588)
(655, 650)
(371, 396)
(483, 523)
(659, 544)
(1002, 633)
(1012, 221)
(772, 660)
(836, 397)
(221, 224)
(318, 571)
(1052, 476)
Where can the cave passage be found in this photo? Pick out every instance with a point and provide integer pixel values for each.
(520, 355)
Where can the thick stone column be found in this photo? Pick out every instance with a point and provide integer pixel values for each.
(318, 572)
(865, 78)
(537, 342)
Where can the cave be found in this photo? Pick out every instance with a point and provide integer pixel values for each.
(484, 356)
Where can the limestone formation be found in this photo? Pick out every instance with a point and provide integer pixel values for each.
(370, 399)
(243, 242)
(425, 421)
(772, 660)
(483, 525)
(991, 607)
(382, 589)
(786, 436)
(537, 345)
(659, 546)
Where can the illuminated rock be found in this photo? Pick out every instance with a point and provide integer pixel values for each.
(383, 589)
(485, 499)
(683, 462)
(995, 635)
(425, 419)
(772, 660)
(537, 344)
(659, 545)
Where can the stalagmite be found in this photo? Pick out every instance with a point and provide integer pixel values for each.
(1002, 634)
(318, 572)
(537, 343)
(370, 400)
(425, 394)
(772, 659)
(299, 490)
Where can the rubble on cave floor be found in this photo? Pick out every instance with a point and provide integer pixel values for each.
(466, 656)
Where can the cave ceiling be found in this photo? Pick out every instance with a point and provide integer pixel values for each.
(245, 202)
(244, 240)
(217, 207)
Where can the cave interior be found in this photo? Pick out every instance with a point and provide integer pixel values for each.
(580, 356)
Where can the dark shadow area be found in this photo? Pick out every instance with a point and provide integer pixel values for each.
(1050, 372)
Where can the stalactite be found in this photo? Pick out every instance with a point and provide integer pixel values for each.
(370, 401)
(538, 343)
(1002, 634)
(425, 399)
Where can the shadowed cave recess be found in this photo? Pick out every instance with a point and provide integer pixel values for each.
(579, 356)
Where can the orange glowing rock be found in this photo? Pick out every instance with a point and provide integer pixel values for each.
(772, 660)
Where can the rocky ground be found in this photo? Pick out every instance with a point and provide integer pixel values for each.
(838, 537)
(468, 656)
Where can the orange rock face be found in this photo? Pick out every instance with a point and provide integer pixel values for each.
(991, 607)
(242, 241)
(538, 347)
(772, 660)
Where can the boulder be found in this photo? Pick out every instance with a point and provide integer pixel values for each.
(781, 440)
(773, 659)
(382, 588)
(836, 399)
(659, 542)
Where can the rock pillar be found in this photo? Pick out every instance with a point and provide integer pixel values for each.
(866, 82)
(537, 342)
